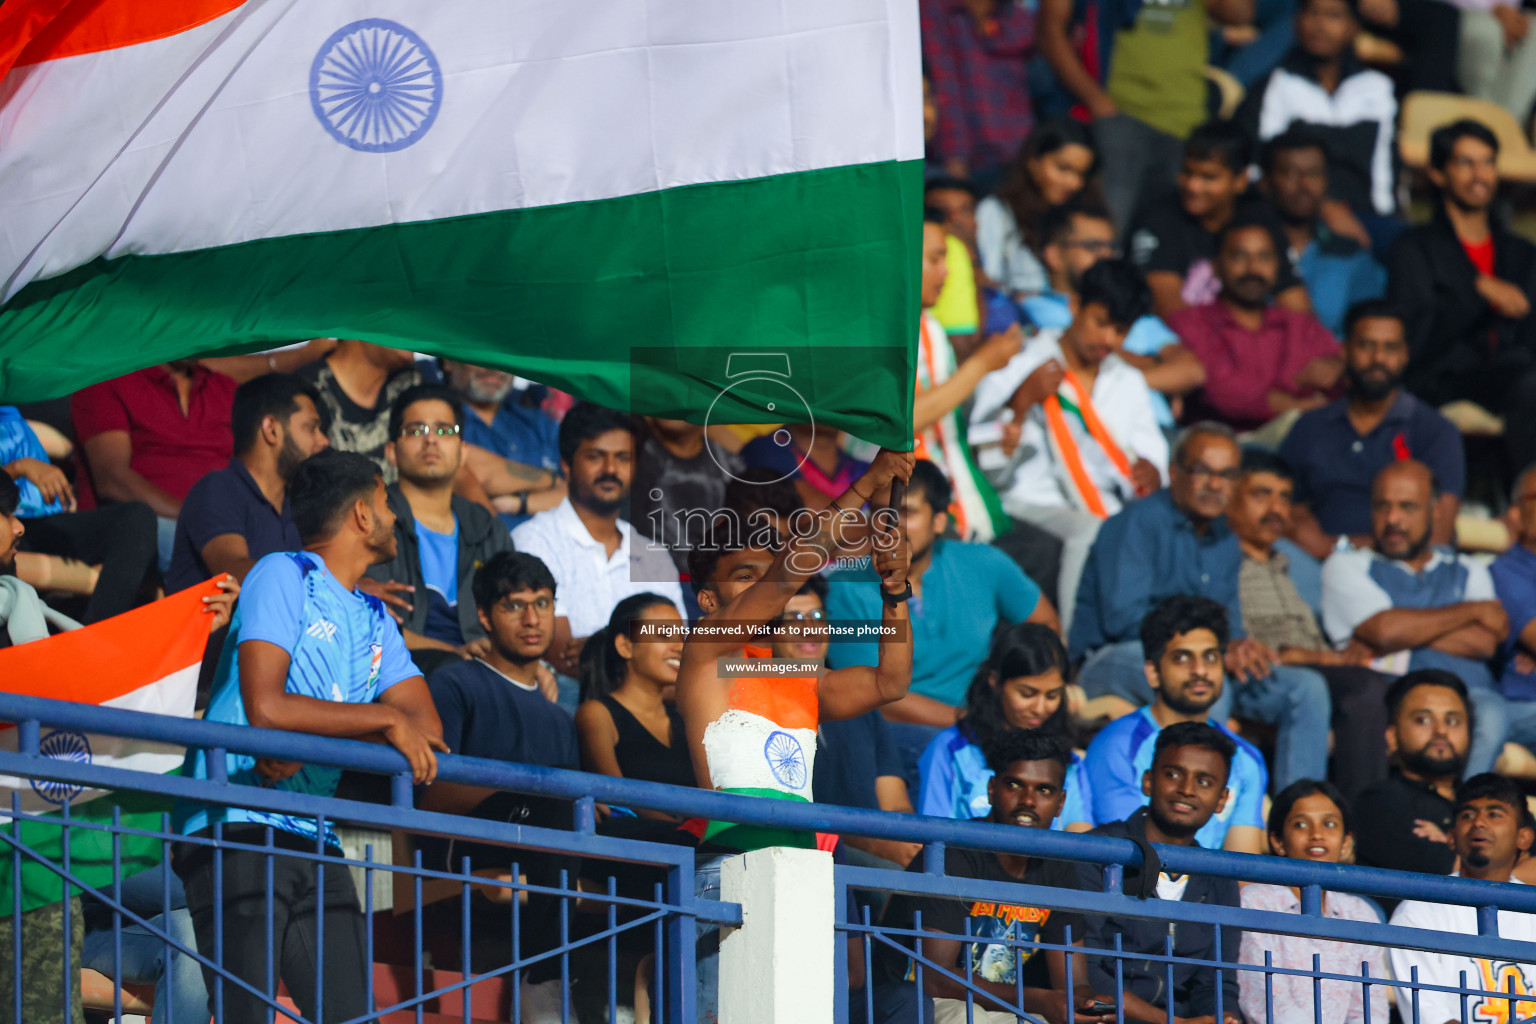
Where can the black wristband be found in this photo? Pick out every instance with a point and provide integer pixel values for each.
(522, 504)
(892, 600)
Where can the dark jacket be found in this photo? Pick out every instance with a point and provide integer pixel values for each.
(1194, 989)
(1361, 157)
(481, 535)
(1459, 347)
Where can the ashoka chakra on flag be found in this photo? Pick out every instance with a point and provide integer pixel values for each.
(608, 196)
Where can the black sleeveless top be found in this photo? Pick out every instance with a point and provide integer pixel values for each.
(642, 756)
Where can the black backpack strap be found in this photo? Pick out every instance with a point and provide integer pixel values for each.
(1151, 867)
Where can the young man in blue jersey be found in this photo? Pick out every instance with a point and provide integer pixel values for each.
(307, 652)
(1185, 639)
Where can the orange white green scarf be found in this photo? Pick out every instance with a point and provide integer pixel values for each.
(1073, 400)
(978, 513)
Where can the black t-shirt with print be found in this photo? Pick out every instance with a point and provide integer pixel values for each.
(989, 919)
(1166, 238)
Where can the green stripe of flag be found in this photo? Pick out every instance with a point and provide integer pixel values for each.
(90, 849)
(821, 265)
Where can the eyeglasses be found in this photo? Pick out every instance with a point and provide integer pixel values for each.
(816, 616)
(1098, 246)
(1201, 469)
(516, 606)
(423, 429)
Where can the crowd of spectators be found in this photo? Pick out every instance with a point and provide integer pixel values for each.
(1182, 527)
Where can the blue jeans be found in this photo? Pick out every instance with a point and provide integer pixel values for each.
(179, 986)
(1521, 716)
(165, 541)
(1493, 721)
(706, 886)
(570, 692)
(1294, 699)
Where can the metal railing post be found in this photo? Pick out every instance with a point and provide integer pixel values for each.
(777, 967)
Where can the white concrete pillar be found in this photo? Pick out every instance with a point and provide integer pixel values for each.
(777, 967)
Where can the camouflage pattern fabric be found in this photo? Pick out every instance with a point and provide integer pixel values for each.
(42, 966)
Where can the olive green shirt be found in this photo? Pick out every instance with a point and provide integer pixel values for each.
(1157, 70)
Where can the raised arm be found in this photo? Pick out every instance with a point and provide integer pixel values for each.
(850, 692)
(993, 354)
(255, 364)
(836, 529)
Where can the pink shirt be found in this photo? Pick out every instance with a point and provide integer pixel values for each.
(1342, 1001)
(171, 449)
(1241, 366)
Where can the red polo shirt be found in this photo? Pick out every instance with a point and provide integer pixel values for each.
(171, 450)
(1241, 366)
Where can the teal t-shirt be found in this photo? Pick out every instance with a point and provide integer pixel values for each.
(967, 590)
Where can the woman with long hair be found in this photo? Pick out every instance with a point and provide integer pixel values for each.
(1021, 685)
(627, 723)
(1309, 820)
(1055, 164)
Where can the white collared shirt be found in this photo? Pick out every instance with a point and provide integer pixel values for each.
(1123, 401)
(589, 583)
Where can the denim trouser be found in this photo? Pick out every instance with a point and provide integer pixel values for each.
(706, 886)
(181, 997)
(1292, 698)
(165, 541)
(1493, 721)
(1521, 717)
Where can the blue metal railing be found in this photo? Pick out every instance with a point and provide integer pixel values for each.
(671, 912)
(588, 789)
(677, 904)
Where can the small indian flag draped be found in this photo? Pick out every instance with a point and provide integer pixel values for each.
(144, 660)
(609, 196)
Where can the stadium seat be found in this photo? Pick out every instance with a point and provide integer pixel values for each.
(1423, 112)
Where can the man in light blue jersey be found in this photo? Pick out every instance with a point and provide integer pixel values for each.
(1185, 639)
(307, 652)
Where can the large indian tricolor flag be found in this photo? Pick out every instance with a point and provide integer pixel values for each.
(144, 660)
(611, 196)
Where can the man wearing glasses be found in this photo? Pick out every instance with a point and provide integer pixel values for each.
(440, 537)
(1177, 541)
(1074, 236)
